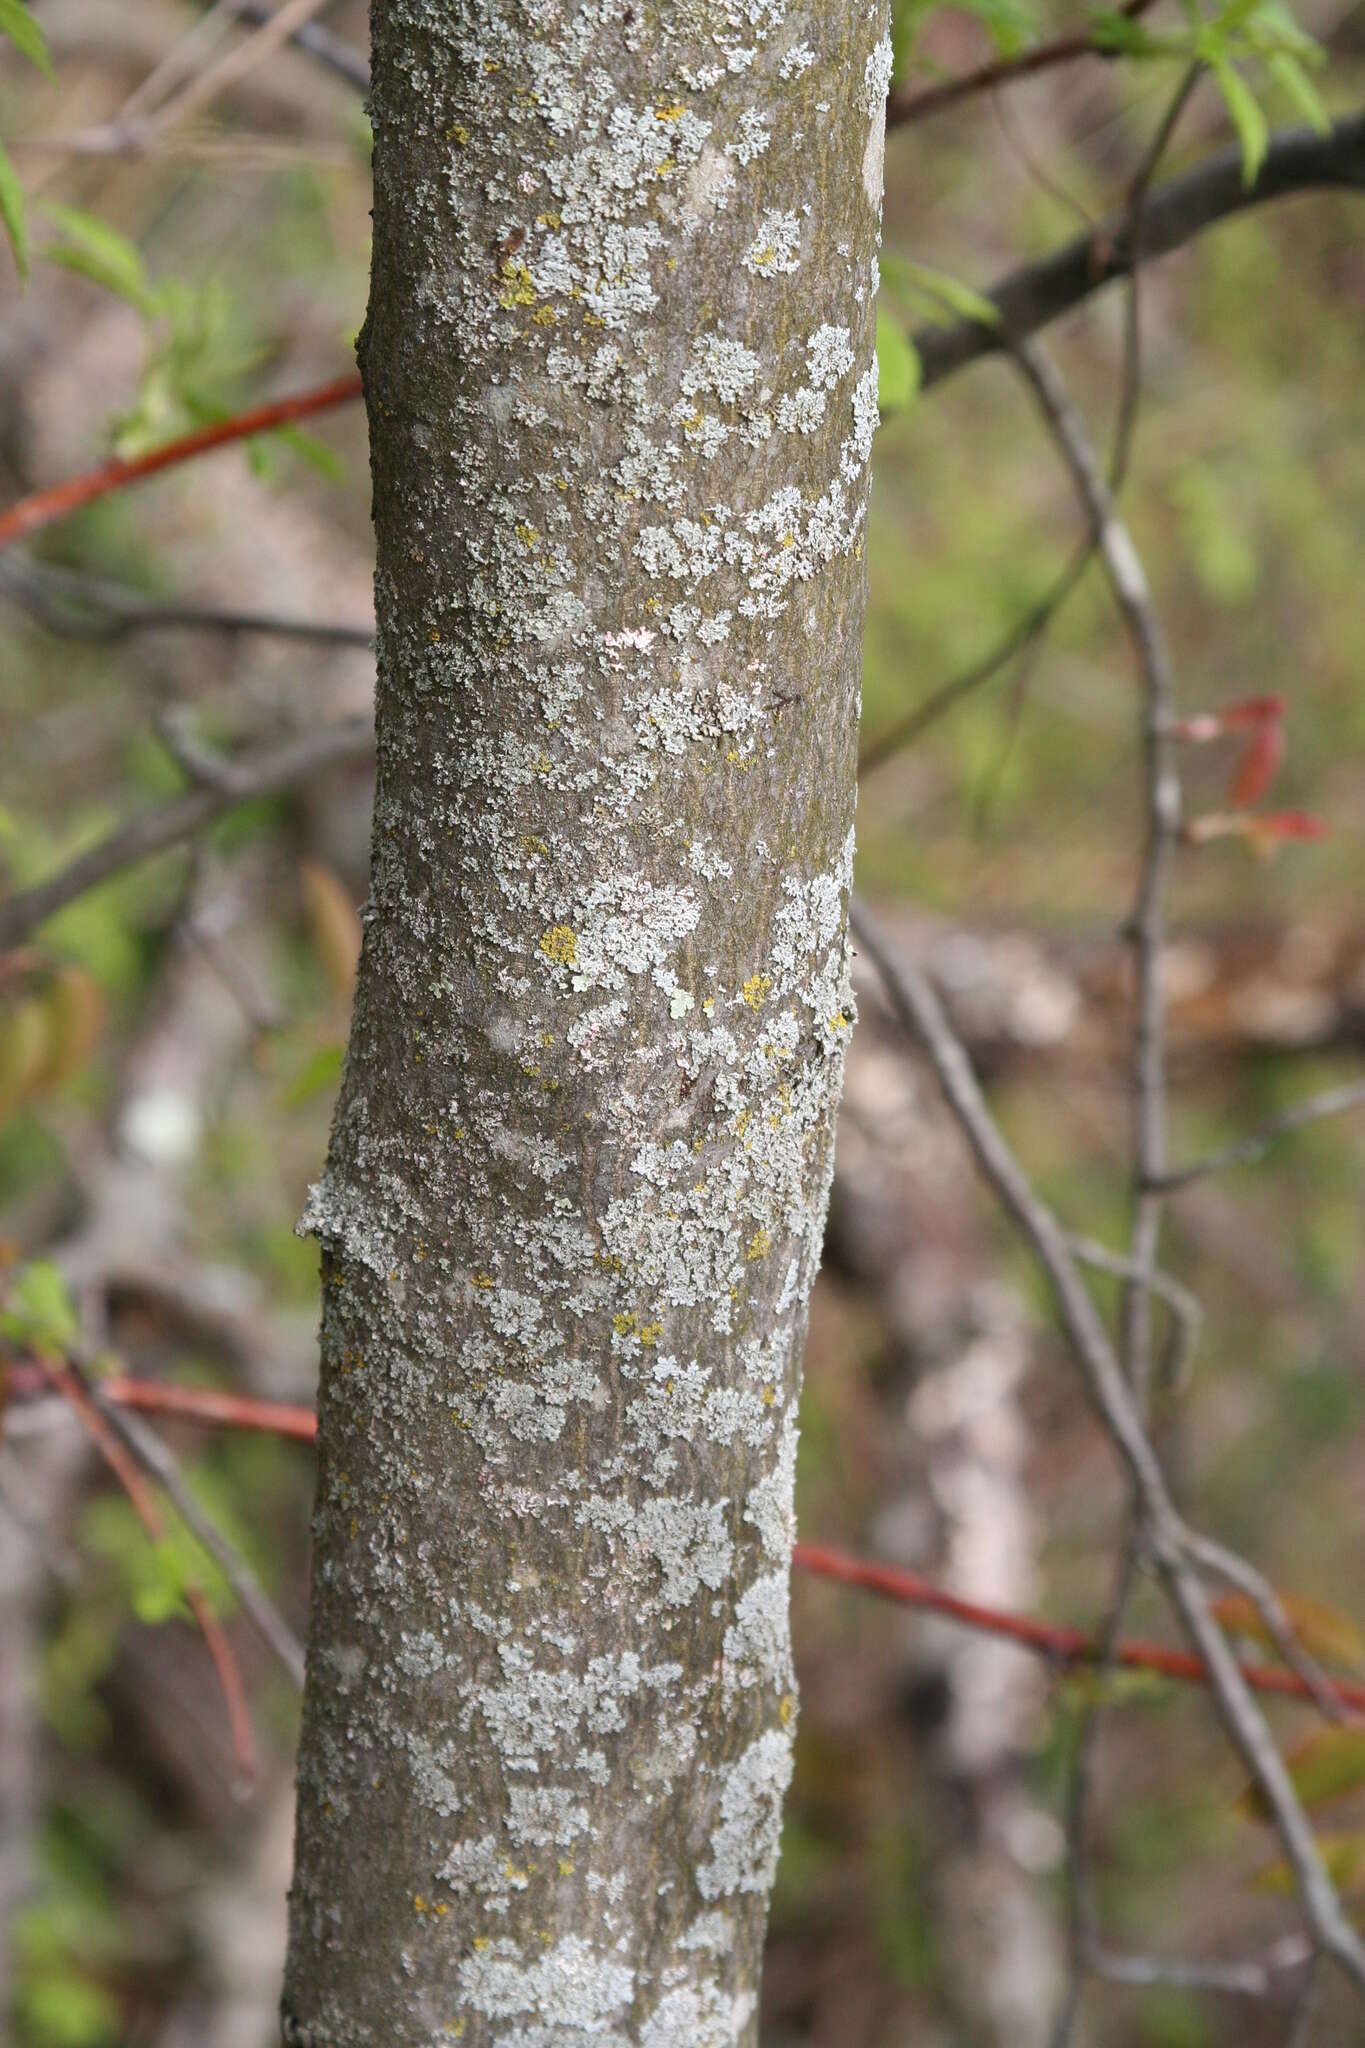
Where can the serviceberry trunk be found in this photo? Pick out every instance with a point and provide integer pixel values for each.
(619, 362)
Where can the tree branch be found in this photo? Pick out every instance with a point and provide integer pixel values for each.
(260, 774)
(920, 1013)
(1298, 160)
(338, 56)
(908, 104)
(1246, 1151)
(42, 507)
(222, 1410)
(88, 608)
(157, 1460)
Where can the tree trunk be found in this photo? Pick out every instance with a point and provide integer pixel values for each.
(622, 392)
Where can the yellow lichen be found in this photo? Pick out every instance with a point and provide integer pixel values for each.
(760, 1244)
(755, 989)
(560, 944)
(517, 290)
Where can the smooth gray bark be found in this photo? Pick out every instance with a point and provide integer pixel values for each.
(622, 392)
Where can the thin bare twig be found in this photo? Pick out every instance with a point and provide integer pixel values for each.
(920, 1013)
(1187, 1312)
(347, 62)
(156, 1459)
(1161, 792)
(262, 773)
(910, 103)
(1246, 1151)
(216, 1409)
(1253, 1977)
(88, 608)
(1139, 191)
(1305, 2009)
(71, 1385)
(1019, 639)
(1026, 637)
(1237, 1571)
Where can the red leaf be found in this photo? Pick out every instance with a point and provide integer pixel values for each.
(1276, 825)
(1255, 770)
(1253, 711)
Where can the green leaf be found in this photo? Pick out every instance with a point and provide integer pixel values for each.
(95, 250)
(1324, 1767)
(39, 1311)
(898, 368)
(1344, 1856)
(1274, 28)
(1008, 23)
(1297, 87)
(1118, 35)
(1253, 131)
(12, 212)
(1324, 1632)
(959, 298)
(1084, 1691)
(66, 2010)
(23, 31)
(1235, 16)
(158, 1594)
(320, 1074)
(314, 452)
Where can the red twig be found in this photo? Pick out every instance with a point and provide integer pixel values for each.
(1065, 1645)
(42, 507)
(216, 1411)
(73, 1389)
(908, 105)
(1049, 1639)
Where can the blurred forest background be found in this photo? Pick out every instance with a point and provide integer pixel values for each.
(170, 1044)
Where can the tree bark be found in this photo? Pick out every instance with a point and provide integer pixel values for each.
(622, 392)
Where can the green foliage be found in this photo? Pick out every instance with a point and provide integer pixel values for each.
(1214, 525)
(152, 1577)
(1327, 1766)
(64, 1939)
(39, 1313)
(17, 22)
(898, 369)
(12, 212)
(1344, 1856)
(19, 27)
(1010, 24)
(320, 1074)
(199, 346)
(1260, 34)
(1174, 2019)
